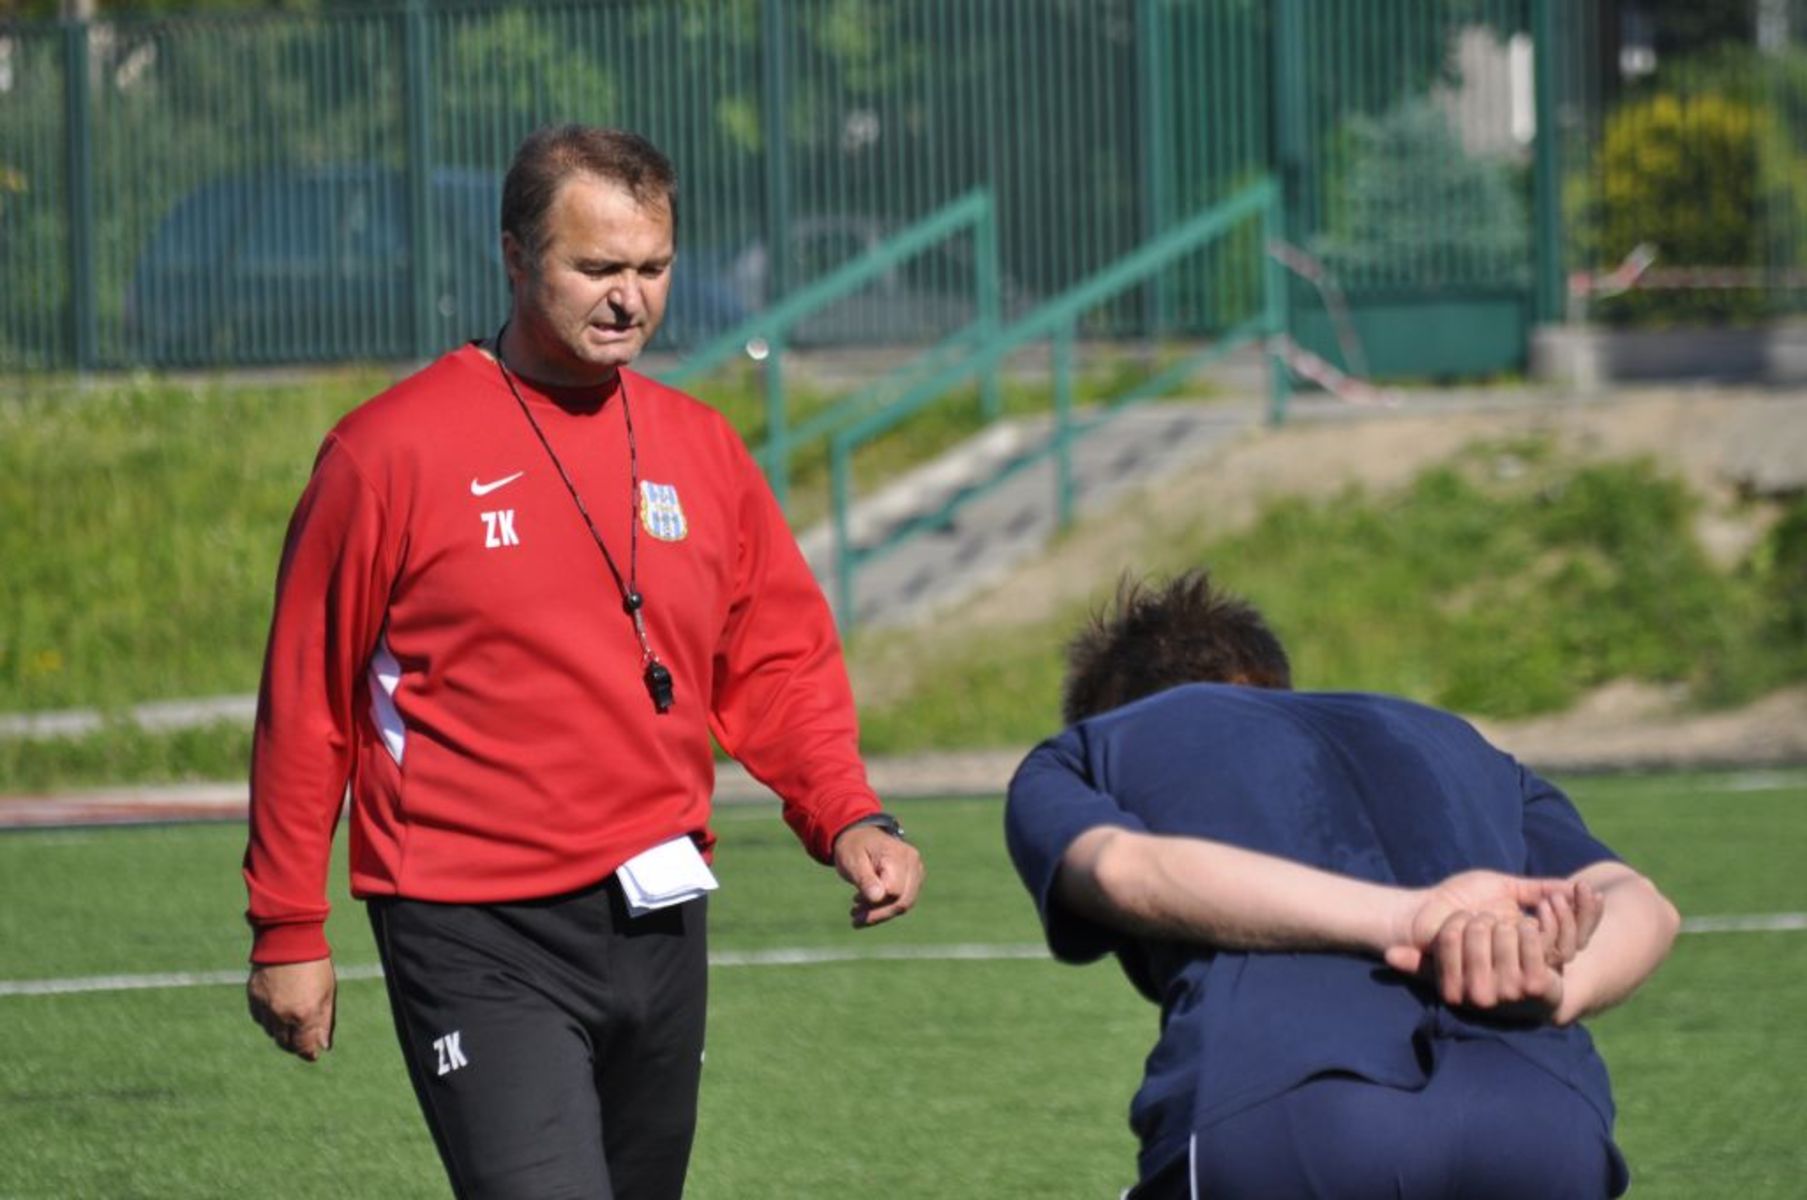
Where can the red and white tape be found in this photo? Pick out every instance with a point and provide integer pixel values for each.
(1340, 384)
(1639, 272)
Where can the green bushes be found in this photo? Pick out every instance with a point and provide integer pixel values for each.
(1506, 584)
(1706, 170)
(1681, 174)
(1781, 567)
(1410, 206)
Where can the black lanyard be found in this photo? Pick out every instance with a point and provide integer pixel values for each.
(654, 673)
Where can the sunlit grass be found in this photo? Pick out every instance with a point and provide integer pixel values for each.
(987, 1078)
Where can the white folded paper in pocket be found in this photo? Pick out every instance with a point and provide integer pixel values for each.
(670, 873)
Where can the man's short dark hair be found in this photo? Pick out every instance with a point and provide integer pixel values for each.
(1156, 637)
(552, 155)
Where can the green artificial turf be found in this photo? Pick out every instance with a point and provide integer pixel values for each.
(991, 1077)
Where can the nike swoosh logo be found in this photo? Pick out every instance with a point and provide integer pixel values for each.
(484, 489)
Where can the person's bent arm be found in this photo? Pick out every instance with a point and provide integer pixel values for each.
(1195, 889)
(1637, 926)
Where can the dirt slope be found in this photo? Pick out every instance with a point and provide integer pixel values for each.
(1730, 446)
(1726, 444)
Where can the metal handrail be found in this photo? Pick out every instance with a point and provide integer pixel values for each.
(975, 211)
(1057, 321)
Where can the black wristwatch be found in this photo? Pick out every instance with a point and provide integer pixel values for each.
(883, 820)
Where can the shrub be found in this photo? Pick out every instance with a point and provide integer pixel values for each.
(1785, 569)
(1702, 176)
(1412, 206)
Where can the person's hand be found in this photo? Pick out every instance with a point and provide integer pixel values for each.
(1566, 914)
(885, 871)
(1500, 965)
(1568, 918)
(1498, 943)
(294, 1004)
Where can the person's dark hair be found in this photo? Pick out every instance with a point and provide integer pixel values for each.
(1156, 637)
(552, 155)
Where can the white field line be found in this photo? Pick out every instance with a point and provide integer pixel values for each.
(1720, 784)
(800, 956)
(1759, 923)
(788, 957)
(807, 957)
(1762, 781)
(133, 983)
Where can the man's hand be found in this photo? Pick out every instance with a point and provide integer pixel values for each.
(294, 1004)
(1566, 914)
(1498, 942)
(885, 871)
(1499, 965)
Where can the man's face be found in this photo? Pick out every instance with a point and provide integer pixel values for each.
(596, 293)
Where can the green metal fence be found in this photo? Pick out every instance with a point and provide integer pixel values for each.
(293, 187)
(1407, 177)
(287, 188)
(764, 335)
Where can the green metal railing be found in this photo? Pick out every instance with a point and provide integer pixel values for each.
(1254, 213)
(764, 335)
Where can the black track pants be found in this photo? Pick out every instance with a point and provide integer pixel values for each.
(555, 1045)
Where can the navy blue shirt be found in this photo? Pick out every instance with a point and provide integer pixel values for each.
(1367, 786)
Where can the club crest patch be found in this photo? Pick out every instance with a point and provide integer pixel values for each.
(661, 513)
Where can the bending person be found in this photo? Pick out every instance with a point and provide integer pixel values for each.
(1371, 933)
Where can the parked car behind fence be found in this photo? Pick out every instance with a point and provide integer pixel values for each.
(316, 264)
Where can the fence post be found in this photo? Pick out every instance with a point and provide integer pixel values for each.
(1286, 121)
(417, 95)
(78, 119)
(985, 250)
(1063, 424)
(1274, 283)
(840, 501)
(1152, 111)
(777, 168)
(777, 426)
(1547, 294)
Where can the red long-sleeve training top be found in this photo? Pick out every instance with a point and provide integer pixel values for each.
(449, 640)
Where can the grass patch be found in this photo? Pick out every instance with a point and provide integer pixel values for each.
(1001, 688)
(1504, 584)
(990, 1078)
(140, 528)
(121, 752)
(1719, 845)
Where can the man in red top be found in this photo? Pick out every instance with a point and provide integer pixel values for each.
(522, 589)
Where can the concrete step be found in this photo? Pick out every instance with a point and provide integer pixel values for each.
(1013, 522)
